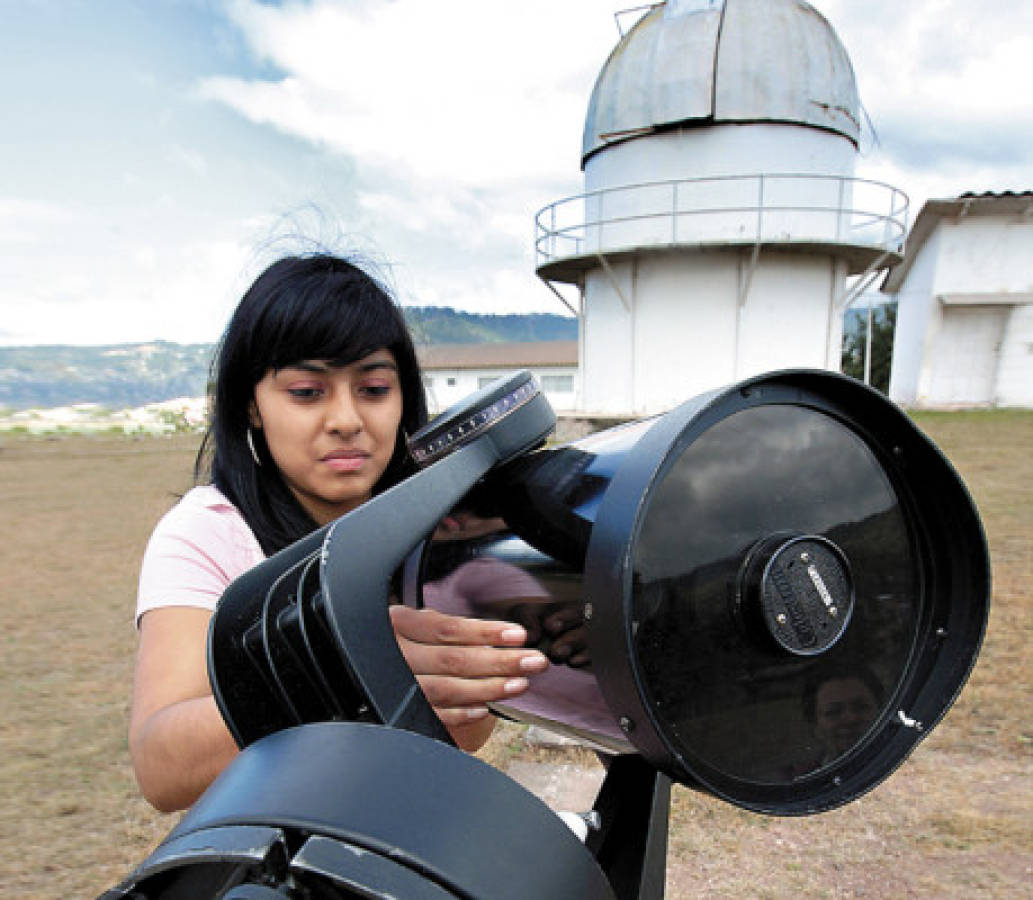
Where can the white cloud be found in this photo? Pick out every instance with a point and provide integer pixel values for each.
(190, 159)
(499, 291)
(944, 84)
(25, 220)
(475, 92)
(184, 293)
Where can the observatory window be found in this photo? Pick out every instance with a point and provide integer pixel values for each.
(451, 382)
(558, 383)
(428, 381)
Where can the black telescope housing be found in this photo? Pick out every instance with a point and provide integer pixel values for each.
(771, 593)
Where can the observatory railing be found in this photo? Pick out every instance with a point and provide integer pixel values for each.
(733, 209)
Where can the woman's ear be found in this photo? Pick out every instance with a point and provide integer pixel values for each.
(254, 417)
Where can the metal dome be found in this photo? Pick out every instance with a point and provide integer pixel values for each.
(689, 63)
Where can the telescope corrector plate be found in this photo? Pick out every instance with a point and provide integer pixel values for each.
(766, 471)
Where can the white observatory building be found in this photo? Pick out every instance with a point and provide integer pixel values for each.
(721, 217)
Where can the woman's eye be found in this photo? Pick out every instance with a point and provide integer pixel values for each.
(376, 390)
(305, 393)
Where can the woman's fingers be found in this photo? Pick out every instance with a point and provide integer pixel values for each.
(428, 626)
(570, 647)
(446, 692)
(470, 662)
(458, 662)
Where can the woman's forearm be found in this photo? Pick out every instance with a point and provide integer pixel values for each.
(178, 751)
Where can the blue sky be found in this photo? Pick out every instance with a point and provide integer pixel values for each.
(155, 154)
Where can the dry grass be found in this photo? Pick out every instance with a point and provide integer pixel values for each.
(75, 514)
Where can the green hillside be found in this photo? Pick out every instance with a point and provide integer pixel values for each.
(444, 325)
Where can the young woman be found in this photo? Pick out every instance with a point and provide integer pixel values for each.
(316, 385)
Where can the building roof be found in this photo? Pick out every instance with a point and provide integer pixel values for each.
(510, 354)
(989, 203)
(690, 63)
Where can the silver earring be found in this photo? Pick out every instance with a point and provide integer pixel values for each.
(251, 447)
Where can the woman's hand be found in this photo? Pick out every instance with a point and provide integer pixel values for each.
(465, 526)
(463, 664)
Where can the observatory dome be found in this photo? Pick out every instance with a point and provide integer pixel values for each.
(708, 62)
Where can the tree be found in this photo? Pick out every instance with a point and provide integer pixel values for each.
(855, 340)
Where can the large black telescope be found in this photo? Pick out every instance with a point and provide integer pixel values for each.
(771, 593)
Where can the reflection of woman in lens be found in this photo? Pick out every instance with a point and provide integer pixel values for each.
(840, 704)
(467, 581)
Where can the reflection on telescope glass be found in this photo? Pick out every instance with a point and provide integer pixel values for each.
(711, 673)
(501, 577)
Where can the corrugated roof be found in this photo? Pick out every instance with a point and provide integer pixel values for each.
(511, 354)
(969, 195)
(988, 203)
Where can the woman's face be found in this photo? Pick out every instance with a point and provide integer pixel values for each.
(331, 430)
(843, 710)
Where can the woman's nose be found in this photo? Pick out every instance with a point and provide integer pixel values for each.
(343, 415)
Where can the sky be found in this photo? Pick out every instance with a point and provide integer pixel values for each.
(155, 155)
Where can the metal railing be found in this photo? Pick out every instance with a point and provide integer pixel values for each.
(749, 209)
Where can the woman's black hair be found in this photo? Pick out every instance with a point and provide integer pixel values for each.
(316, 307)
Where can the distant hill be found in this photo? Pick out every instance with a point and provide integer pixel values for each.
(115, 375)
(126, 375)
(444, 325)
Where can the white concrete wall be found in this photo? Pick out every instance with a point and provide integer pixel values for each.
(918, 320)
(607, 370)
(962, 367)
(685, 332)
(967, 354)
(448, 386)
(684, 335)
(711, 211)
(682, 328)
(1015, 364)
(984, 254)
(709, 151)
(790, 318)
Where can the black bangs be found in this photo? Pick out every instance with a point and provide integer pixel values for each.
(332, 312)
(300, 308)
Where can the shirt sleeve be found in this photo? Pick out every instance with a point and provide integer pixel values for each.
(193, 555)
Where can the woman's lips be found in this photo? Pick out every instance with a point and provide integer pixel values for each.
(345, 460)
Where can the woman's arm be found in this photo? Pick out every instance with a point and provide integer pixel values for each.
(179, 743)
(177, 738)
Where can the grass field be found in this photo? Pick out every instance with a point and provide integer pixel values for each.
(75, 512)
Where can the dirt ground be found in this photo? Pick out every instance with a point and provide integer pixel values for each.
(955, 821)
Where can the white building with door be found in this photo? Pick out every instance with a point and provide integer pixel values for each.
(454, 371)
(964, 294)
